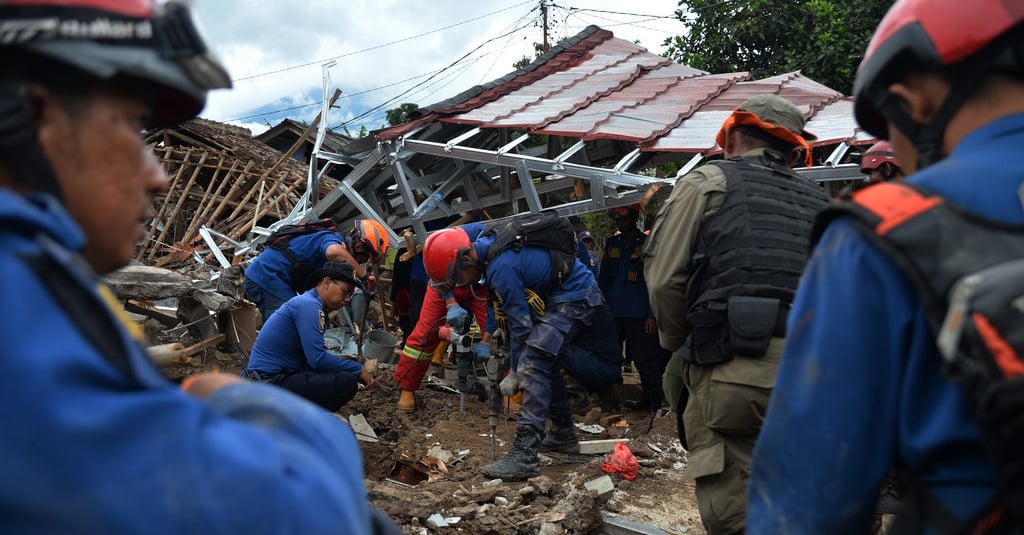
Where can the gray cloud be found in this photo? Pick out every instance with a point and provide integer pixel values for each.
(260, 36)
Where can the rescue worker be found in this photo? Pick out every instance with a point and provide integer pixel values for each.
(861, 387)
(290, 351)
(722, 263)
(441, 305)
(268, 282)
(585, 251)
(621, 278)
(536, 343)
(879, 163)
(96, 439)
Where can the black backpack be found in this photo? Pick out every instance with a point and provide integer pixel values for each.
(301, 273)
(969, 271)
(546, 230)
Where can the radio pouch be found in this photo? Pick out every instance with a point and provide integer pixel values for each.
(752, 323)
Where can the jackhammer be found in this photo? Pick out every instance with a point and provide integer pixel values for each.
(462, 353)
(495, 368)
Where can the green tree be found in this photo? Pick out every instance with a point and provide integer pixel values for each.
(825, 39)
(361, 134)
(401, 114)
(538, 50)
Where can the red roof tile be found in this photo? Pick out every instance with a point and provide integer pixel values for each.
(595, 86)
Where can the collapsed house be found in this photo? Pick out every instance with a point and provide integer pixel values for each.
(589, 125)
(583, 128)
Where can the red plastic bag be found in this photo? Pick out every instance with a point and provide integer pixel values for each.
(623, 461)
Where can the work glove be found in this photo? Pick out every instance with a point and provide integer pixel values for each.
(482, 351)
(510, 384)
(456, 316)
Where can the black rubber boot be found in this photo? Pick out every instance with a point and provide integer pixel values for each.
(521, 462)
(562, 437)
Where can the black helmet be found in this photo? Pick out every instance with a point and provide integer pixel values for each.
(158, 43)
(974, 37)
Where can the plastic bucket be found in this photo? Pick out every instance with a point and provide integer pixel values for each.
(380, 345)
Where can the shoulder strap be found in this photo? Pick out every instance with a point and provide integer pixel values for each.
(879, 210)
(89, 314)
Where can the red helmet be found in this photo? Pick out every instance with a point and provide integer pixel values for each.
(875, 156)
(624, 211)
(932, 34)
(373, 234)
(441, 254)
(157, 43)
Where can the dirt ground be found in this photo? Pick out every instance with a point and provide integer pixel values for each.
(555, 502)
(455, 492)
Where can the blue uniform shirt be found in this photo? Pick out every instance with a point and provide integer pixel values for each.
(511, 273)
(293, 337)
(270, 269)
(586, 257)
(89, 447)
(860, 386)
(621, 277)
(417, 271)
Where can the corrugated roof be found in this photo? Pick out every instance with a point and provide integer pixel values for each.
(595, 86)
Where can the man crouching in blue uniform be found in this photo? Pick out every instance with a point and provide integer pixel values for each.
(536, 344)
(290, 350)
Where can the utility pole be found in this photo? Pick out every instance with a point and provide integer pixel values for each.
(544, 14)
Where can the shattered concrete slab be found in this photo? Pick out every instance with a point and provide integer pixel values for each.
(147, 283)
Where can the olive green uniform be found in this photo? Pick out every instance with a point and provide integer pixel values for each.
(727, 401)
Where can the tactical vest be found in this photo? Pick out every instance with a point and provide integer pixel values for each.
(969, 273)
(756, 244)
(754, 247)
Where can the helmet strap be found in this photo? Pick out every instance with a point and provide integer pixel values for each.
(19, 143)
(928, 138)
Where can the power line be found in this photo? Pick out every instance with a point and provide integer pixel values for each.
(447, 79)
(506, 45)
(635, 23)
(406, 92)
(348, 95)
(648, 17)
(319, 61)
(363, 92)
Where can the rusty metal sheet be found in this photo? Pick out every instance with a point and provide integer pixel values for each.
(653, 118)
(696, 134)
(835, 123)
(600, 87)
(608, 69)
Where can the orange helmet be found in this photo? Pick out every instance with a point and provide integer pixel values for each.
(373, 234)
(441, 254)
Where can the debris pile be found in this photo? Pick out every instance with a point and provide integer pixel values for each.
(222, 179)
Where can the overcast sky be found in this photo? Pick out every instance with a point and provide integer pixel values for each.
(391, 51)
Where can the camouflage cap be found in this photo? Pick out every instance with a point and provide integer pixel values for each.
(778, 111)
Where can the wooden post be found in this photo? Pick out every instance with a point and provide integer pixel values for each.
(204, 204)
(380, 298)
(150, 241)
(181, 200)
